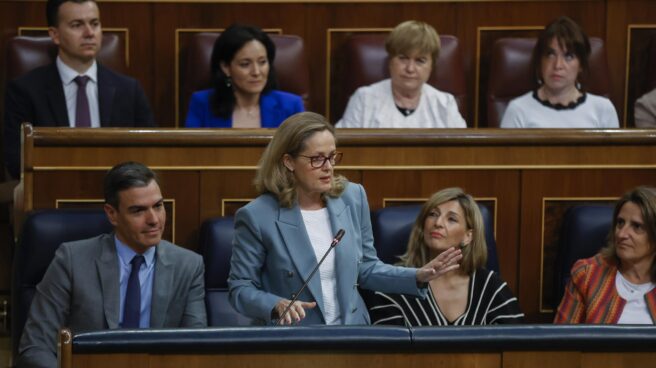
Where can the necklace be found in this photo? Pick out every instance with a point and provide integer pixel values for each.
(634, 288)
(252, 112)
(405, 111)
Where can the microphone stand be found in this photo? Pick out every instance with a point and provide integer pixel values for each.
(336, 240)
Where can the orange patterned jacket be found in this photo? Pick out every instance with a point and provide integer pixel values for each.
(591, 295)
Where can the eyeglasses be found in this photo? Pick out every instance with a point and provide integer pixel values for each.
(319, 161)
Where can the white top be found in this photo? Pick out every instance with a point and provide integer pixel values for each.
(317, 224)
(67, 75)
(635, 311)
(527, 112)
(373, 107)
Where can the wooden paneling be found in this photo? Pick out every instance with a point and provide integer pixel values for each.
(536, 359)
(152, 27)
(530, 175)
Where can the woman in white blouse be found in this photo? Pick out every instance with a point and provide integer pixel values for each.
(281, 236)
(560, 101)
(405, 100)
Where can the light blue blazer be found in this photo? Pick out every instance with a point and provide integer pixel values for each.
(272, 255)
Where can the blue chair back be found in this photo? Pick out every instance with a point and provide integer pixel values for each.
(43, 232)
(583, 233)
(392, 226)
(215, 245)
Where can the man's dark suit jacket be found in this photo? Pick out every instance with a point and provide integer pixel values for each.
(38, 98)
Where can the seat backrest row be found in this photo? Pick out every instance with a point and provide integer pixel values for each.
(365, 58)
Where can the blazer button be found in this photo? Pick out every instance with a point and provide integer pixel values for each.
(290, 274)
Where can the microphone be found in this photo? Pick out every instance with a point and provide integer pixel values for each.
(333, 244)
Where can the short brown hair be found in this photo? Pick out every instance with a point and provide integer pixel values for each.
(290, 138)
(413, 35)
(645, 198)
(570, 37)
(474, 255)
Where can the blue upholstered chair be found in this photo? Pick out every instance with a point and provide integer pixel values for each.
(583, 233)
(215, 245)
(392, 226)
(43, 232)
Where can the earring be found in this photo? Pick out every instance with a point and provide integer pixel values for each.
(578, 85)
(462, 245)
(539, 82)
(228, 82)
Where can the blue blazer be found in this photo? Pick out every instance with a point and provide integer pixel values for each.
(275, 107)
(272, 255)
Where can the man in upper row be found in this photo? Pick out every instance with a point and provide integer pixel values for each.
(75, 90)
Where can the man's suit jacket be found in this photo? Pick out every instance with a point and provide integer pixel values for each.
(38, 98)
(80, 290)
(272, 256)
(275, 107)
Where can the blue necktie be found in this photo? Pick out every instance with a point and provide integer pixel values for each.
(132, 307)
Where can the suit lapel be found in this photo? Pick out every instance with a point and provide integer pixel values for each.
(297, 242)
(162, 287)
(106, 92)
(344, 255)
(56, 98)
(108, 272)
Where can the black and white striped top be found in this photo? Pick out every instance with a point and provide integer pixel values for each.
(490, 301)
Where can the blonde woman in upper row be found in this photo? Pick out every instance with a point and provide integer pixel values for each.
(560, 57)
(405, 100)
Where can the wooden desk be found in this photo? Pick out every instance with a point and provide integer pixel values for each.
(364, 346)
(529, 177)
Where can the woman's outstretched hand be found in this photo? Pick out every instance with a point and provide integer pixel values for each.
(438, 266)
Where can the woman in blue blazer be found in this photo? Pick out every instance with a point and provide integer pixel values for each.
(281, 235)
(244, 80)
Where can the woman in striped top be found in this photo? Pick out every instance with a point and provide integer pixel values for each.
(616, 286)
(469, 295)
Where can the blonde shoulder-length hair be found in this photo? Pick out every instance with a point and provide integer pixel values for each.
(474, 255)
(290, 138)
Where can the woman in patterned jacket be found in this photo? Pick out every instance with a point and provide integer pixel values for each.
(616, 286)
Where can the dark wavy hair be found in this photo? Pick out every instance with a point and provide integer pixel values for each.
(225, 48)
(124, 176)
(570, 37)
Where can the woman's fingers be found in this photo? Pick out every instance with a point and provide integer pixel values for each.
(295, 313)
(445, 262)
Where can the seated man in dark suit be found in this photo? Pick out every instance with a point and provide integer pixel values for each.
(129, 279)
(74, 91)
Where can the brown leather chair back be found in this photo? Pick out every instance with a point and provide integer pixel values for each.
(290, 64)
(25, 53)
(366, 62)
(511, 75)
